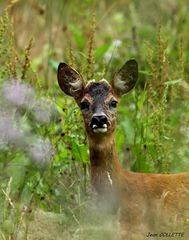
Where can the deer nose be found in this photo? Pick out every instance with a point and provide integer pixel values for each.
(99, 121)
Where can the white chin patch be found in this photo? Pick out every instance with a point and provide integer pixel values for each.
(102, 129)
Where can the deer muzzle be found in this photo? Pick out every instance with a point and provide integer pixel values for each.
(99, 123)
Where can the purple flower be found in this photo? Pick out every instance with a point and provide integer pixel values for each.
(43, 110)
(10, 130)
(41, 151)
(18, 94)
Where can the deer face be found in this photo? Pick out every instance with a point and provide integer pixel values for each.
(98, 100)
(98, 106)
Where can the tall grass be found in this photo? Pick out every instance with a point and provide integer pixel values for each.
(44, 154)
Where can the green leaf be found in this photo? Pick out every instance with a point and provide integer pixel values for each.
(100, 51)
(146, 72)
(141, 100)
(120, 138)
(173, 82)
(79, 152)
(78, 37)
(84, 153)
(127, 127)
(54, 64)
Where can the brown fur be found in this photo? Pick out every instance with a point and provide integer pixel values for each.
(152, 200)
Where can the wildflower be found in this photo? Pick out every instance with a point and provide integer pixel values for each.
(112, 50)
(41, 152)
(18, 94)
(10, 131)
(43, 110)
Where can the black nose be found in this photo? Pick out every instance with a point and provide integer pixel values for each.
(98, 121)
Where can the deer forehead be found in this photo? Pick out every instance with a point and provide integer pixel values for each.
(94, 81)
(98, 90)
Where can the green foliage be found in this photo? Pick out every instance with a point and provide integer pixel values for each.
(152, 132)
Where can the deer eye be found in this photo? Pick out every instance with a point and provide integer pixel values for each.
(84, 105)
(113, 104)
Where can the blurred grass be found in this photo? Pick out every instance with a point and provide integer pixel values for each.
(152, 133)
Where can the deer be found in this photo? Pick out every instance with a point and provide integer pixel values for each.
(144, 200)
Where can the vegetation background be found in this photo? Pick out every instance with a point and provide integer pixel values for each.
(44, 176)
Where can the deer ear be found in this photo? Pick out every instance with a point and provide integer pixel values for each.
(70, 80)
(126, 78)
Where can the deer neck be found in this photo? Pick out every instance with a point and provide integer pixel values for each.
(105, 166)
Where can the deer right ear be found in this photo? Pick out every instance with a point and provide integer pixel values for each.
(70, 81)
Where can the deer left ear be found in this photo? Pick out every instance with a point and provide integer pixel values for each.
(70, 81)
(126, 78)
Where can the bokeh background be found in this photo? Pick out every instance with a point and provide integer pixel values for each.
(44, 168)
